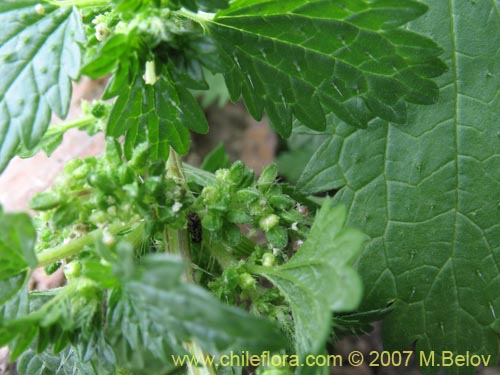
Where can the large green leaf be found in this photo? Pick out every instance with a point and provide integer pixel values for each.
(428, 194)
(308, 57)
(40, 55)
(162, 114)
(17, 244)
(155, 294)
(319, 278)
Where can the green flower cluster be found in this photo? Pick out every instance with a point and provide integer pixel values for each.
(100, 192)
(236, 199)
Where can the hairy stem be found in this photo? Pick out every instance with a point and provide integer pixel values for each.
(80, 3)
(177, 240)
(74, 247)
(61, 128)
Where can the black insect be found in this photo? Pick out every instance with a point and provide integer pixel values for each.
(194, 227)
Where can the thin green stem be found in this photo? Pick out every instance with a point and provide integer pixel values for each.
(255, 269)
(74, 247)
(61, 128)
(79, 3)
(177, 240)
(197, 352)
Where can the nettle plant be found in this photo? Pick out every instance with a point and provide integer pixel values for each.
(162, 258)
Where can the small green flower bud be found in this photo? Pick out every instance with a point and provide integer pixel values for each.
(102, 182)
(269, 222)
(281, 201)
(44, 201)
(72, 270)
(246, 281)
(72, 165)
(210, 195)
(268, 176)
(215, 199)
(98, 217)
(277, 237)
(247, 195)
(212, 221)
(222, 175)
(237, 173)
(102, 31)
(268, 259)
(99, 109)
(81, 172)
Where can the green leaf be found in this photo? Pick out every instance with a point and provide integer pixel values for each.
(54, 317)
(188, 312)
(319, 278)
(17, 243)
(73, 360)
(216, 159)
(162, 114)
(40, 56)
(107, 57)
(427, 194)
(10, 286)
(306, 58)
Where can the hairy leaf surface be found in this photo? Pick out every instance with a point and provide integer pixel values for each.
(428, 194)
(306, 58)
(98, 360)
(162, 302)
(319, 278)
(40, 55)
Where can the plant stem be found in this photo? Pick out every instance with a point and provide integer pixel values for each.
(61, 128)
(196, 351)
(177, 240)
(79, 3)
(74, 247)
